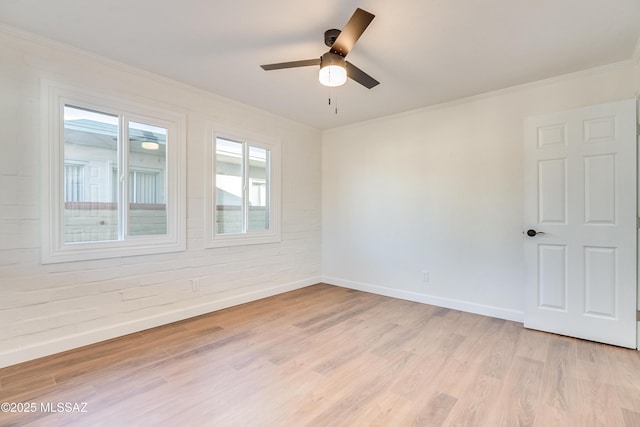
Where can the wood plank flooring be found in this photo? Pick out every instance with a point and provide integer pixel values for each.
(323, 356)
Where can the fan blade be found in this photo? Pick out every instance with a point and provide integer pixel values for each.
(360, 76)
(351, 32)
(292, 64)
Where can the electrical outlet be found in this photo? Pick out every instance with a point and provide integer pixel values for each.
(425, 276)
(195, 284)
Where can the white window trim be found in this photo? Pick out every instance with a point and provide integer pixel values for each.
(53, 247)
(273, 235)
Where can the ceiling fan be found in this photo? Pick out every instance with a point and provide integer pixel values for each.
(334, 69)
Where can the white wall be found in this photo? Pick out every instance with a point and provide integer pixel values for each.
(49, 308)
(441, 189)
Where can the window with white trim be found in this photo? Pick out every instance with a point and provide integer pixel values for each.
(114, 179)
(243, 189)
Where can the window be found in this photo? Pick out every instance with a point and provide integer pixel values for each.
(114, 179)
(243, 190)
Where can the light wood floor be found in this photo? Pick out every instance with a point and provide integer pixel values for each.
(330, 356)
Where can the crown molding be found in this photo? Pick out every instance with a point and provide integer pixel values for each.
(494, 93)
(636, 53)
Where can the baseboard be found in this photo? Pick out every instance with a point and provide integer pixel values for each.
(470, 307)
(91, 337)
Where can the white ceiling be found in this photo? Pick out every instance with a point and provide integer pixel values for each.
(423, 52)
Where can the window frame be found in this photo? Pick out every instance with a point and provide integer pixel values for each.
(54, 249)
(273, 235)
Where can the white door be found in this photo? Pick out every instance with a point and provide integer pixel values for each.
(580, 202)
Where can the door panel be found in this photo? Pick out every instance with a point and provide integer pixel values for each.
(580, 179)
(552, 276)
(600, 189)
(552, 200)
(600, 281)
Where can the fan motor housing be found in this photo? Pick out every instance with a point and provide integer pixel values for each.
(331, 58)
(330, 36)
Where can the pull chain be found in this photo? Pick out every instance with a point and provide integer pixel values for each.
(335, 100)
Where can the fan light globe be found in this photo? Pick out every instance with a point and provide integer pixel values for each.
(333, 70)
(332, 75)
(149, 145)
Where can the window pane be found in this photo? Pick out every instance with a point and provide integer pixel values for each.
(229, 188)
(258, 189)
(90, 155)
(147, 179)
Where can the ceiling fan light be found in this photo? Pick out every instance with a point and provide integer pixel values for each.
(332, 75)
(149, 145)
(332, 70)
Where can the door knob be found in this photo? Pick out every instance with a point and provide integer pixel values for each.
(532, 233)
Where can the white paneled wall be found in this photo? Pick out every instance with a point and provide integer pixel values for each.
(48, 308)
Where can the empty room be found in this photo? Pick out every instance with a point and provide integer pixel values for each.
(319, 213)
